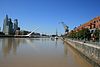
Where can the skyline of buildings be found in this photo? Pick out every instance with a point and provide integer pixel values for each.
(9, 27)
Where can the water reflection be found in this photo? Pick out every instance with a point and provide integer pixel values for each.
(56, 42)
(35, 52)
(65, 48)
(9, 44)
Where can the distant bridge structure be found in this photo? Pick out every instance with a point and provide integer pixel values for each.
(32, 32)
(28, 35)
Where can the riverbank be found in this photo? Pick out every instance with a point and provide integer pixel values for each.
(18, 36)
(89, 51)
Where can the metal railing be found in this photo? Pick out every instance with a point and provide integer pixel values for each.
(86, 41)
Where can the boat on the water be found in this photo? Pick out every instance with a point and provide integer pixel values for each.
(56, 37)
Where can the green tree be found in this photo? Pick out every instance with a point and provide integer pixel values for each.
(87, 34)
(96, 34)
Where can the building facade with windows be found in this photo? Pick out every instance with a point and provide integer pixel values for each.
(9, 28)
(15, 25)
(6, 26)
(91, 25)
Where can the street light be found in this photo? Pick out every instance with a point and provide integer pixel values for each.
(0, 29)
(99, 35)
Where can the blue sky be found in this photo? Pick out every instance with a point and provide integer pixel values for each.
(47, 14)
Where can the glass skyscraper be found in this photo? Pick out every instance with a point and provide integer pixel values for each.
(15, 25)
(7, 26)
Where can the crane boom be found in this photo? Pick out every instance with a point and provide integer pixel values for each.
(65, 27)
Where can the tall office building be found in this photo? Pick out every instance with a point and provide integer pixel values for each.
(15, 25)
(7, 26)
(10, 24)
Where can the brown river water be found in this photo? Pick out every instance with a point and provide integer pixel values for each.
(38, 52)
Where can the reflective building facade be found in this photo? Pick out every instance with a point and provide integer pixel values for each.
(9, 27)
(6, 26)
(15, 25)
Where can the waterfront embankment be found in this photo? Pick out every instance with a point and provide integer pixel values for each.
(90, 52)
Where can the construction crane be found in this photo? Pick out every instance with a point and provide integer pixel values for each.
(65, 27)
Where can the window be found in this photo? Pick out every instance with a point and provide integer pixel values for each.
(94, 26)
(94, 21)
(90, 25)
(91, 31)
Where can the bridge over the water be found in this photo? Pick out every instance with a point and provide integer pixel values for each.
(28, 35)
(22, 36)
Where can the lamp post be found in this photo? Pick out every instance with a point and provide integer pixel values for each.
(99, 35)
(0, 29)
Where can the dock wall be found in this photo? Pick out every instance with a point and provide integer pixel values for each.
(89, 51)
